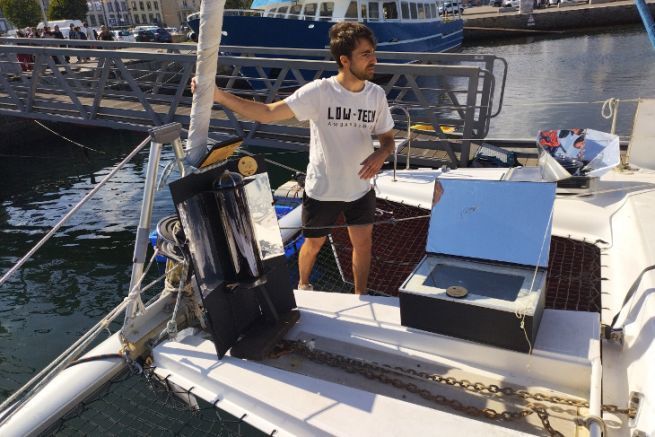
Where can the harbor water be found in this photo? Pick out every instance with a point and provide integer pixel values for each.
(84, 271)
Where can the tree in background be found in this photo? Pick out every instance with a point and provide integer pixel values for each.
(21, 13)
(237, 4)
(67, 9)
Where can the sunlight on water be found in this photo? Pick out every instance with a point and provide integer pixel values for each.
(582, 70)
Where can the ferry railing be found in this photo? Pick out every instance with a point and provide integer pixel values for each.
(244, 12)
(136, 86)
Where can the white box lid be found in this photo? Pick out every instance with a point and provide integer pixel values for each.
(501, 221)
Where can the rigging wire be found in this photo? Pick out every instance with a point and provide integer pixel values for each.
(62, 361)
(68, 139)
(72, 212)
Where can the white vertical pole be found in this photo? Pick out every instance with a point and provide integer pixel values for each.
(209, 40)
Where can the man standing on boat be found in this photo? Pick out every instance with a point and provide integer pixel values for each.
(343, 111)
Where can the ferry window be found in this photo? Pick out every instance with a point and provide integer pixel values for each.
(294, 11)
(271, 13)
(373, 11)
(310, 10)
(414, 10)
(421, 11)
(404, 8)
(390, 11)
(433, 7)
(351, 12)
(363, 10)
(327, 8)
(428, 11)
(281, 12)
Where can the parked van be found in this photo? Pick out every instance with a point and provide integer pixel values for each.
(64, 25)
(450, 8)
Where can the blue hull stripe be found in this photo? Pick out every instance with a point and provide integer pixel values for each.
(426, 36)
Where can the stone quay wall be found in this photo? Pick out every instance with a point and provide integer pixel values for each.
(551, 20)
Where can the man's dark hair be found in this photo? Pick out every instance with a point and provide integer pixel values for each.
(344, 37)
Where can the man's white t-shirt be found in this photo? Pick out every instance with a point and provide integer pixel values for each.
(341, 125)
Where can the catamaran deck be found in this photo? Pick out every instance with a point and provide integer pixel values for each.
(318, 396)
(293, 394)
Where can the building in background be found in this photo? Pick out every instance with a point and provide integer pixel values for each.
(118, 13)
(185, 8)
(174, 12)
(145, 12)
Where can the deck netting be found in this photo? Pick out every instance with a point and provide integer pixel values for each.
(131, 405)
(574, 280)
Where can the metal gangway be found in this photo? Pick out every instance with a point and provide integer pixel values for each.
(450, 98)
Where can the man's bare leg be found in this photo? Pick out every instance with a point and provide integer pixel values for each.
(307, 258)
(361, 237)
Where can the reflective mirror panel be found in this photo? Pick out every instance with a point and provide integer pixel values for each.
(580, 152)
(262, 216)
(493, 220)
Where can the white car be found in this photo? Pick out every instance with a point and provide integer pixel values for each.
(511, 3)
(123, 35)
(450, 8)
(565, 2)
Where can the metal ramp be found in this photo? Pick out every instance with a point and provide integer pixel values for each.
(137, 86)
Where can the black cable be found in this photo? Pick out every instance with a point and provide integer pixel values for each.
(93, 358)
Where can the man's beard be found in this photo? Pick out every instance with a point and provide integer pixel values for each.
(363, 74)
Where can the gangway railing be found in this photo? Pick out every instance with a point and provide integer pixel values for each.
(136, 86)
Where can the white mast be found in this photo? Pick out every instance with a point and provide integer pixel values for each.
(209, 40)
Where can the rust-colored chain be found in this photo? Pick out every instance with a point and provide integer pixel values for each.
(379, 373)
(493, 389)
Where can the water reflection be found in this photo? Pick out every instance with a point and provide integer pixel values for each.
(580, 70)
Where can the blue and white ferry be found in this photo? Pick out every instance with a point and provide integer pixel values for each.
(402, 26)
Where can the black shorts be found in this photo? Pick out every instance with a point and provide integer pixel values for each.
(318, 213)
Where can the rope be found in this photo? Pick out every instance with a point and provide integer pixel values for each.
(68, 139)
(72, 212)
(270, 161)
(520, 312)
(391, 221)
(171, 326)
(593, 102)
(609, 110)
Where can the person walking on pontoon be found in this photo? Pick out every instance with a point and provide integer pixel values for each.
(344, 111)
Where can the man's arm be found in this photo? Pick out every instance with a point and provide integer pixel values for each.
(261, 112)
(374, 162)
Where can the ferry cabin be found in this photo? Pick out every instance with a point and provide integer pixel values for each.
(362, 11)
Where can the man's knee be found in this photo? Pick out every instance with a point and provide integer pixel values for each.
(361, 237)
(313, 245)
